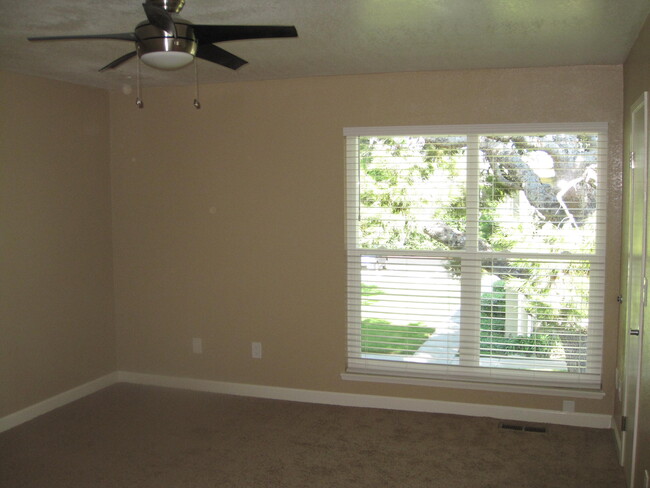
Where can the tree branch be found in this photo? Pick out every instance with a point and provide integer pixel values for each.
(455, 240)
(572, 199)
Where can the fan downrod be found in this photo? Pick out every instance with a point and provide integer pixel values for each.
(173, 6)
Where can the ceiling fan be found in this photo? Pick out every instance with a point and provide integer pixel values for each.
(167, 41)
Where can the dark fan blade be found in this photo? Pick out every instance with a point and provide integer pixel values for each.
(160, 18)
(219, 56)
(207, 34)
(127, 36)
(119, 61)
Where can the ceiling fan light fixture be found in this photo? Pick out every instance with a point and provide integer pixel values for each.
(167, 60)
(159, 50)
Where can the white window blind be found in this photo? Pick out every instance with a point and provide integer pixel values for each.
(477, 252)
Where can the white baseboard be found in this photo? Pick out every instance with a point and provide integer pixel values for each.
(577, 419)
(56, 401)
(599, 421)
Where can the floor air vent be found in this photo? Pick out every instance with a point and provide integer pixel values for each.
(522, 428)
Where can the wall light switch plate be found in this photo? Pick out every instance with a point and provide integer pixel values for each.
(197, 345)
(256, 350)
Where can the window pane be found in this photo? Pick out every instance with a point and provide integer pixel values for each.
(412, 192)
(538, 193)
(410, 308)
(534, 314)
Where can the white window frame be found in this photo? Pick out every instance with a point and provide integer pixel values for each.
(367, 368)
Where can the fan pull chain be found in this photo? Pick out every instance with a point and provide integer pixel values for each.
(197, 104)
(138, 99)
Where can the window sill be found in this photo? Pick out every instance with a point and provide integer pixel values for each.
(473, 385)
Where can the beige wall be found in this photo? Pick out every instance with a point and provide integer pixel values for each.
(637, 80)
(56, 307)
(229, 221)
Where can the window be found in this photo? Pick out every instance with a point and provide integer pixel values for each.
(477, 252)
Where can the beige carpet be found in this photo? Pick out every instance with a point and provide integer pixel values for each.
(135, 436)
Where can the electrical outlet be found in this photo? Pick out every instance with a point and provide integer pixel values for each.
(256, 350)
(568, 406)
(197, 345)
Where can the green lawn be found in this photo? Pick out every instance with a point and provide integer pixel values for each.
(382, 337)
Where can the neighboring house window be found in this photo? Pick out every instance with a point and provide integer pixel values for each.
(477, 252)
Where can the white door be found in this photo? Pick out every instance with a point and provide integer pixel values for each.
(637, 284)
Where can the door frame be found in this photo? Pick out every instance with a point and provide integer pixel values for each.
(631, 381)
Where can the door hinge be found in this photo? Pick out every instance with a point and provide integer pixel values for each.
(645, 291)
(632, 160)
(623, 423)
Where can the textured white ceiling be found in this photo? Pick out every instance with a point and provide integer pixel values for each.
(335, 36)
